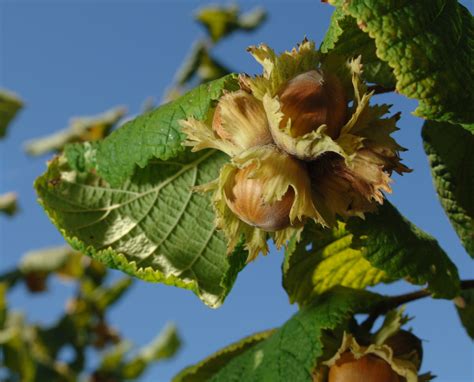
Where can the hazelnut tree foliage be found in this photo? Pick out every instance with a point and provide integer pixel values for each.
(300, 154)
(32, 352)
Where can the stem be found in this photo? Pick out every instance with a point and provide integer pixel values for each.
(377, 89)
(394, 302)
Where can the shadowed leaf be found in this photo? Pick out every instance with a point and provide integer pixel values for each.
(428, 44)
(292, 351)
(449, 149)
(10, 105)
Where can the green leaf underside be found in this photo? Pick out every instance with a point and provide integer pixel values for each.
(291, 353)
(153, 226)
(466, 312)
(393, 244)
(323, 259)
(449, 149)
(156, 134)
(429, 46)
(10, 104)
(344, 38)
(205, 369)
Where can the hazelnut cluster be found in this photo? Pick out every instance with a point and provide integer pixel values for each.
(304, 144)
(398, 359)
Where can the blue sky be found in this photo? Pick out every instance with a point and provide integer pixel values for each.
(68, 58)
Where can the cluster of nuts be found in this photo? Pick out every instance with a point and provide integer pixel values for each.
(304, 144)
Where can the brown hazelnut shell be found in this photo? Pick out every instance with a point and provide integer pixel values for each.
(312, 99)
(248, 204)
(368, 368)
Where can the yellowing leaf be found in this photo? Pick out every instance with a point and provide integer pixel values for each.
(323, 259)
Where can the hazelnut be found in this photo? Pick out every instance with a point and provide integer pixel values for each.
(248, 204)
(312, 99)
(403, 343)
(368, 368)
(240, 118)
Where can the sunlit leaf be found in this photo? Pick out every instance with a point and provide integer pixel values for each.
(323, 259)
(153, 227)
(383, 247)
(393, 244)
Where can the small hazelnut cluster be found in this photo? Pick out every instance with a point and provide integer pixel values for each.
(304, 144)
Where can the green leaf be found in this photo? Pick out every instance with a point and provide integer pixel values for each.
(222, 21)
(81, 156)
(10, 105)
(429, 46)
(153, 227)
(292, 352)
(322, 259)
(164, 346)
(466, 311)
(382, 248)
(393, 244)
(16, 352)
(205, 369)
(3, 303)
(201, 64)
(8, 204)
(102, 298)
(346, 40)
(114, 357)
(449, 149)
(80, 129)
(156, 134)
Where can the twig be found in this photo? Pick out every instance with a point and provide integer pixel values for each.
(377, 89)
(394, 302)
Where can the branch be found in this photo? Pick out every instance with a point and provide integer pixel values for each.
(394, 302)
(377, 89)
